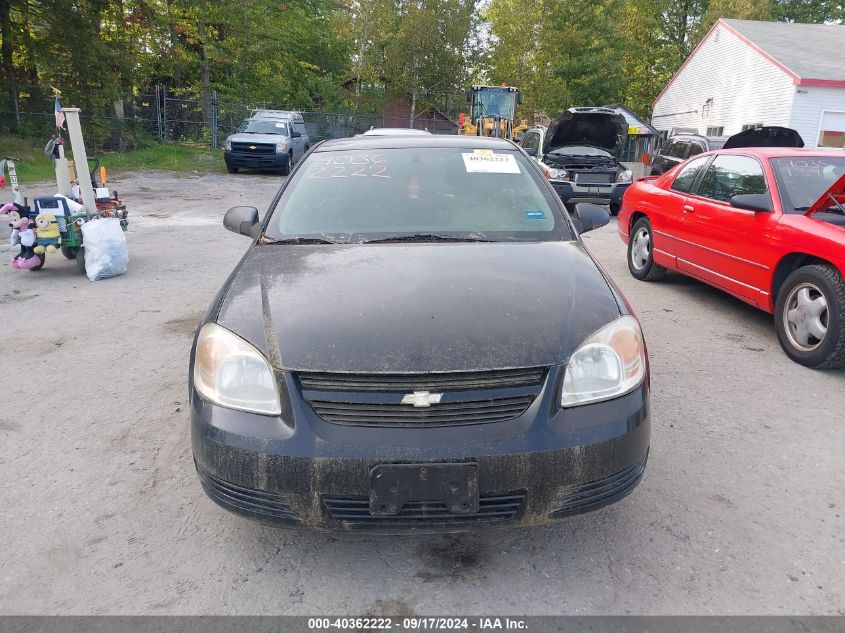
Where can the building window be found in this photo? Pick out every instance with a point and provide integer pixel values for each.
(832, 129)
(751, 126)
(716, 131)
(831, 138)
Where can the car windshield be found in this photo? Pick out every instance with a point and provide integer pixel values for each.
(416, 194)
(263, 126)
(803, 179)
(581, 150)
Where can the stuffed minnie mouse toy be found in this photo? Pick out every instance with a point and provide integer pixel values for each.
(23, 234)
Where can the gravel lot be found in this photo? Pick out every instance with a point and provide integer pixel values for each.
(740, 511)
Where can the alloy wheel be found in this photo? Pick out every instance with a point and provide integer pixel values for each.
(641, 249)
(806, 316)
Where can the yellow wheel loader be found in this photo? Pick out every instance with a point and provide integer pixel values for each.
(492, 111)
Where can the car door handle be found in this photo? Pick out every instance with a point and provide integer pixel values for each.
(688, 208)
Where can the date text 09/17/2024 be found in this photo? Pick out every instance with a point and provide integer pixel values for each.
(418, 623)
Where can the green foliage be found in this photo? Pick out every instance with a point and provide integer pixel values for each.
(34, 166)
(565, 53)
(348, 55)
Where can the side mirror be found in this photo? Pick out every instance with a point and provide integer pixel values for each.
(242, 220)
(531, 151)
(760, 202)
(589, 216)
(295, 134)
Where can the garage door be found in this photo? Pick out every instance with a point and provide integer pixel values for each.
(832, 130)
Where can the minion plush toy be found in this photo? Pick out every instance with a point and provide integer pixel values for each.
(48, 238)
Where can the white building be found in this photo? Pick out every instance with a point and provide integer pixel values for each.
(746, 73)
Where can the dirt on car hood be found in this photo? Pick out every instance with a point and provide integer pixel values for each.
(599, 127)
(394, 308)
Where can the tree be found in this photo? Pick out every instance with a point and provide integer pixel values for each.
(520, 54)
(739, 9)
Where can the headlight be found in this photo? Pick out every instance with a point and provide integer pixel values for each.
(227, 145)
(230, 372)
(625, 176)
(281, 148)
(557, 174)
(609, 364)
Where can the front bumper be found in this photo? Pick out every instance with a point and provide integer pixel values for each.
(256, 161)
(610, 193)
(545, 464)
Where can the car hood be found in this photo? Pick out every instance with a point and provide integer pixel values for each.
(766, 136)
(394, 308)
(836, 191)
(607, 130)
(257, 138)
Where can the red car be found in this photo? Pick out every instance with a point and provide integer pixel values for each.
(766, 225)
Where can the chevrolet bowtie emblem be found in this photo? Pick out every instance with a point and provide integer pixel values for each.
(252, 147)
(421, 399)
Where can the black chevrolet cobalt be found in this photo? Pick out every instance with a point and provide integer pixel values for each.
(417, 340)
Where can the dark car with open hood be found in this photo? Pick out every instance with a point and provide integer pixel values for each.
(580, 152)
(417, 339)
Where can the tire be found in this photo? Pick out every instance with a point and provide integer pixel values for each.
(812, 332)
(232, 170)
(41, 265)
(641, 263)
(80, 259)
(286, 167)
(614, 207)
(69, 251)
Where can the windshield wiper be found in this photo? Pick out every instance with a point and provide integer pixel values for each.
(836, 202)
(295, 240)
(428, 237)
(836, 207)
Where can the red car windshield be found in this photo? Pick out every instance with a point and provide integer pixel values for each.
(803, 179)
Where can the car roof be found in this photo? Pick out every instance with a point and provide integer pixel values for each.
(393, 131)
(777, 152)
(275, 114)
(683, 136)
(416, 140)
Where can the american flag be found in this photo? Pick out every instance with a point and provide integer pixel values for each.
(60, 116)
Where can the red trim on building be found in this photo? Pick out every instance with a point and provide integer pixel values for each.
(829, 83)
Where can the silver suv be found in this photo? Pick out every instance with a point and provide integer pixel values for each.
(580, 153)
(269, 139)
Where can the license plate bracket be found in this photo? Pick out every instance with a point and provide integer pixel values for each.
(392, 486)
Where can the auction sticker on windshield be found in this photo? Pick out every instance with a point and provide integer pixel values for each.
(487, 162)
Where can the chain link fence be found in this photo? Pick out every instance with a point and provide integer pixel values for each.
(179, 116)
